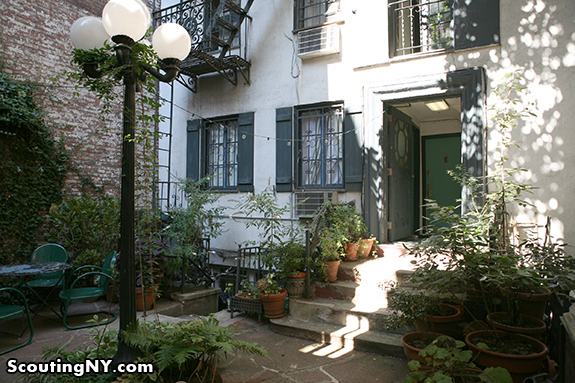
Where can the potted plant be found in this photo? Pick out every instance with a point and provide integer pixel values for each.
(272, 296)
(288, 258)
(150, 256)
(519, 354)
(423, 311)
(445, 360)
(187, 227)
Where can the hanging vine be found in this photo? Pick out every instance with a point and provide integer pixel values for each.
(33, 170)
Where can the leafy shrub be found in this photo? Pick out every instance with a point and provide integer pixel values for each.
(34, 167)
(186, 351)
(86, 223)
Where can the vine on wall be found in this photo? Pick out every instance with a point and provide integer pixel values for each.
(33, 169)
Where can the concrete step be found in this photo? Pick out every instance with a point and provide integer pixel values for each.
(339, 312)
(341, 339)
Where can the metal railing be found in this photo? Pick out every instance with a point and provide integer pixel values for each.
(422, 25)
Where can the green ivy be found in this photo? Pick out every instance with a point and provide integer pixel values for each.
(33, 169)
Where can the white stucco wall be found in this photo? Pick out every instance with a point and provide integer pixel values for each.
(537, 38)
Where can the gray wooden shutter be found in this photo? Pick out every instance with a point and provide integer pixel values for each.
(284, 149)
(246, 152)
(476, 23)
(353, 152)
(193, 149)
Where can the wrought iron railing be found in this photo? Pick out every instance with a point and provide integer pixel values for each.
(194, 15)
(422, 25)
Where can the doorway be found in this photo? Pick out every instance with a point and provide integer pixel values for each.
(423, 144)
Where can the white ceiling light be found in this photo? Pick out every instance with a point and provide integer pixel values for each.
(437, 106)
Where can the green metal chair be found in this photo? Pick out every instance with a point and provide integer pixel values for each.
(73, 294)
(9, 311)
(50, 252)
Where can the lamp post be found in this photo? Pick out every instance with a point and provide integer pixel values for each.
(126, 21)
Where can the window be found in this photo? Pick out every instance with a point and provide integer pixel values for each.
(222, 147)
(321, 146)
(312, 13)
(222, 153)
(420, 26)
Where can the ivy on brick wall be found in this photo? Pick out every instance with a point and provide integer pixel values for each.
(32, 170)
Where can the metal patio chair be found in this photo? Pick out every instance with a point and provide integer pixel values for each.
(9, 311)
(74, 294)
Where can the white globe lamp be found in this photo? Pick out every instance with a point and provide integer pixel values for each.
(88, 33)
(126, 17)
(171, 40)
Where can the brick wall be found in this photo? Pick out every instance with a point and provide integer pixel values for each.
(35, 46)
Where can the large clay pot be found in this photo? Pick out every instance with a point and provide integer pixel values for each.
(532, 327)
(364, 248)
(519, 366)
(411, 352)
(274, 305)
(295, 285)
(351, 251)
(150, 297)
(443, 324)
(531, 303)
(332, 269)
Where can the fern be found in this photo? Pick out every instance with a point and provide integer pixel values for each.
(185, 350)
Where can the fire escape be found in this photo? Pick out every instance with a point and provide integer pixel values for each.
(215, 29)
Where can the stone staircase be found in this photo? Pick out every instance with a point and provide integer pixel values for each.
(350, 313)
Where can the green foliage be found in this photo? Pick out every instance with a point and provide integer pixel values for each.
(409, 306)
(248, 290)
(86, 223)
(287, 258)
(186, 351)
(451, 364)
(103, 344)
(474, 249)
(336, 224)
(33, 170)
(265, 214)
(268, 285)
(99, 71)
(201, 218)
(150, 249)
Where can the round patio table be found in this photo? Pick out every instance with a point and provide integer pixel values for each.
(25, 270)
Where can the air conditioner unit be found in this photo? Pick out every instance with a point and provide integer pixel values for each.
(308, 203)
(318, 41)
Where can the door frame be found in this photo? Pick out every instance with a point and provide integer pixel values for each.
(469, 85)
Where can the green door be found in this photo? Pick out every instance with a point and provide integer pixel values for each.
(441, 153)
(401, 158)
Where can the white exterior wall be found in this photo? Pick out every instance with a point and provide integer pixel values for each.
(537, 37)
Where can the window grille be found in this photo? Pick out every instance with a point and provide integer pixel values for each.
(422, 25)
(321, 133)
(222, 153)
(312, 13)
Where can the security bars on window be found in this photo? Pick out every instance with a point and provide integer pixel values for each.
(422, 25)
(321, 133)
(222, 153)
(312, 13)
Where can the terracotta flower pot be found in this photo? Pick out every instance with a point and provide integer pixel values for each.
(531, 303)
(443, 324)
(150, 297)
(364, 248)
(274, 304)
(332, 269)
(532, 327)
(351, 251)
(412, 352)
(519, 366)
